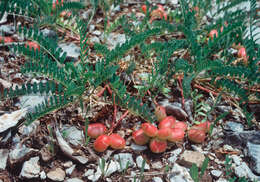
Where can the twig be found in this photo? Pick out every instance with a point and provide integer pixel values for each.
(182, 96)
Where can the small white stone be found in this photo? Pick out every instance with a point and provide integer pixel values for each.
(138, 147)
(216, 173)
(56, 175)
(88, 173)
(68, 164)
(139, 161)
(70, 170)
(31, 168)
(3, 158)
(43, 175)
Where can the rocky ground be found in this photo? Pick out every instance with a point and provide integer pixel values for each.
(53, 148)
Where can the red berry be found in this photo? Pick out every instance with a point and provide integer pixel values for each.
(144, 8)
(205, 126)
(149, 129)
(6, 39)
(157, 145)
(176, 135)
(180, 125)
(140, 138)
(160, 113)
(33, 45)
(96, 129)
(196, 135)
(167, 122)
(116, 141)
(241, 52)
(101, 143)
(164, 133)
(213, 33)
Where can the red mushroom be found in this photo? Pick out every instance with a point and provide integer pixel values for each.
(96, 129)
(176, 135)
(180, 125)
(101, 143)
(116, 141)
(213, 33)
(140, 138)
(157, 145)
(167, 122)
(196, 134)
(164, 133)
(149, 129)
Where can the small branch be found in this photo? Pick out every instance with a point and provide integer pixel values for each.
(182, 96)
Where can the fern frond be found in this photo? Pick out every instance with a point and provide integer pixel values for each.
(54, 103)
(29, 89)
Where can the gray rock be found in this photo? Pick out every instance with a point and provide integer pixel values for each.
(216, 173)
(18, 154)
(30, 129)
(3, 158)
(74, 180)
(188, 105)
(73, 135)
(96, 32)
(157, 179)
(222, 180)
(111, 167)
(88, 172)
(244, 171)
(49, 33)
(43, 175)
(68, 150)
(94, 40)
(254, 154)
(237, 160)
(10, 120)
(91, 28)
(7, 29)
(4, 18)
(179, 174)
(72, 51)
(68, 164)
(56, 175)
(70, 170)
(16, 141)
(234, 126)
(125, 158)
(137, 147)
(139, 162)
(31, 168)
(114, 39)
(95, 176)
(29, 102)
(188, 157)
(174, 109)
(174, 155)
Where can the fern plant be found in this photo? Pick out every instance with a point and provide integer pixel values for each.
(68, 83)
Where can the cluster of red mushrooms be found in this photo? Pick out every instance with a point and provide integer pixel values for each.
(169, 130)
